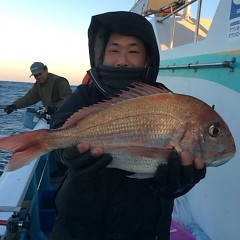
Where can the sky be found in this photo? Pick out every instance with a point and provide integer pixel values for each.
(54, 32)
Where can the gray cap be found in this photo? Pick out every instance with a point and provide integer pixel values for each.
(36, 68)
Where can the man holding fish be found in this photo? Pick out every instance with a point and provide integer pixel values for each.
(130, 144)
(100, 202)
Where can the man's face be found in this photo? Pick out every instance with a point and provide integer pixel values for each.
(41, 77)
(125, 51)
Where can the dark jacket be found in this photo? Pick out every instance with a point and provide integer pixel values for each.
(111, 205)
(51, 93)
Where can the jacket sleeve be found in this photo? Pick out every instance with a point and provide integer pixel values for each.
(31, 97)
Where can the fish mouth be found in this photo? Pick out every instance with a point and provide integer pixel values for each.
(221, 159)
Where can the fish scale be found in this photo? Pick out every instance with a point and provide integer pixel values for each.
(137, 126)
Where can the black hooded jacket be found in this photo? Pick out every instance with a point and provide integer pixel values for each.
(110, 206)
(125, 23)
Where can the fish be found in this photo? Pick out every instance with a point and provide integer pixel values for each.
(139, 128)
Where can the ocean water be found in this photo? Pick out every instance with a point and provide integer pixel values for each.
(9, 92)
(11, 124)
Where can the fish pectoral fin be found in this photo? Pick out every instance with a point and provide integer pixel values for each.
(149, 152)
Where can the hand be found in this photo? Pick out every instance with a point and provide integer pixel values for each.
(84, 161)
(9, 109)
(179, 175)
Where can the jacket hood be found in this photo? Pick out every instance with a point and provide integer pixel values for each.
(125, 23)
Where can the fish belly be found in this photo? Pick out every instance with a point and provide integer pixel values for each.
(135, 164)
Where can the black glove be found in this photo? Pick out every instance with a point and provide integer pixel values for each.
(51, 110)
(173, 180)
(84, 164)
(9, 109)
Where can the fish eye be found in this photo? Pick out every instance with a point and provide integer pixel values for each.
(214, 130)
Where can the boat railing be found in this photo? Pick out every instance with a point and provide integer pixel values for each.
(196, 66)
(21, 197)
(175, 12)
(163, 11)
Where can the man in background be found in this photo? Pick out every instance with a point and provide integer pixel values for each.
(49, 88)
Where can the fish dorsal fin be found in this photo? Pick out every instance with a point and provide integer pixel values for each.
(82, 113)
(138, 90)
(134, 91)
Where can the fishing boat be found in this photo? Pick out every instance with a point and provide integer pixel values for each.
(199, 57)
(26, 191)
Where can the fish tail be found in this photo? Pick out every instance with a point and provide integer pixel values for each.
(25, 147)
